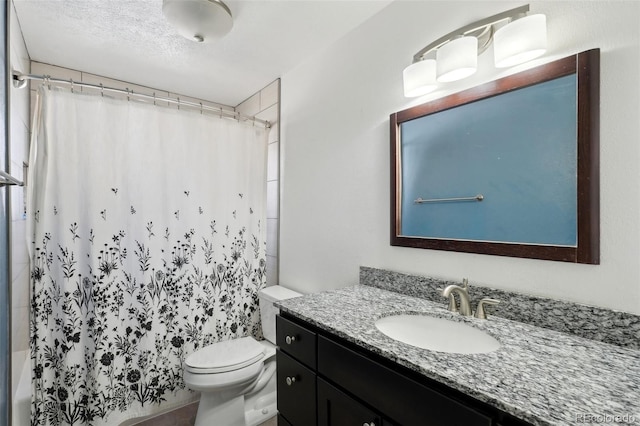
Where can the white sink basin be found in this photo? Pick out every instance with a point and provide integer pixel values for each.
(437, 334)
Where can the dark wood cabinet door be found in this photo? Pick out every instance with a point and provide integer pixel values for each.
(335, 408)
(282, 421)
(396, 396)
(296, 391)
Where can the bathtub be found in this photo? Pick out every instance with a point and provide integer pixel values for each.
(22, 394)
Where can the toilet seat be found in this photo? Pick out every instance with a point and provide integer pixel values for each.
(226, 356)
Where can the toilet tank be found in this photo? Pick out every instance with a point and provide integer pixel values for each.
(268, 312)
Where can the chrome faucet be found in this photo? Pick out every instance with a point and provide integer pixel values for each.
(463, 294)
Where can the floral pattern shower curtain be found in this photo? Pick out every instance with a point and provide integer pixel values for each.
(148, 227)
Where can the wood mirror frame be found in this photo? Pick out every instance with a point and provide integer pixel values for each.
(586, 67)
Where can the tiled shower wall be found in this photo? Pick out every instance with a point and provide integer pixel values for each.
(265, 105)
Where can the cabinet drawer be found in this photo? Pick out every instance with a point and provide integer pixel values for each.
(297, 341)
(405, 401)
(296, 391)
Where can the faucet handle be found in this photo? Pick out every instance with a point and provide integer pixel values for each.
(480, 311)
(465, 284)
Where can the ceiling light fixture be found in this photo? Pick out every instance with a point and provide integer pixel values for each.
(198, 20)
(517, 38)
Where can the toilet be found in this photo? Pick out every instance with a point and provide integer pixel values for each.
(236, 378)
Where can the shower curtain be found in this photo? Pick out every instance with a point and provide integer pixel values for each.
(148, 230)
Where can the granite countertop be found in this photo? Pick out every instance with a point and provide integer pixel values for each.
(542, 376)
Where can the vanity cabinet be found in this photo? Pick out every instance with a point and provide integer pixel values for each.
(324, 380)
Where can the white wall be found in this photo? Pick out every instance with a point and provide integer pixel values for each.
(335, 153)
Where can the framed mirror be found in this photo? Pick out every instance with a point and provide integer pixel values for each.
(507, 168)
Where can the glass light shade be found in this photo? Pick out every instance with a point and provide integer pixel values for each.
(198, 20)
(457, 59)
(520, 41)
(419, 78)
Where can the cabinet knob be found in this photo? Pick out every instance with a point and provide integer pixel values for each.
(290, 380)
(290, 339)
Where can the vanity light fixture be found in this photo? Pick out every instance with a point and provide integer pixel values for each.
(520, 41)
(457, 59)
(516, 36)
(198, 20)
(420, 78)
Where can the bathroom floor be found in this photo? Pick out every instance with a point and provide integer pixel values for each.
(271, 422)
(185, 416)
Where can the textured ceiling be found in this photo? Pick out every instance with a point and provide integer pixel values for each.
(130, 40)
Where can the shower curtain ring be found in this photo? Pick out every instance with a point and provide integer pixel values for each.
(220, 112)
(200, 108)
(154, 98)
(71, 80)
(178, 103)
(101, 90)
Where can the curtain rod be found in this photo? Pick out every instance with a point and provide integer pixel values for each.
(20, 81)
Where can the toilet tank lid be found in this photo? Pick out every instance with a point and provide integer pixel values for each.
(277, 292)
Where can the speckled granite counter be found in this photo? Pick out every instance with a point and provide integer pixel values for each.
(542, 376)
(604, 325)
